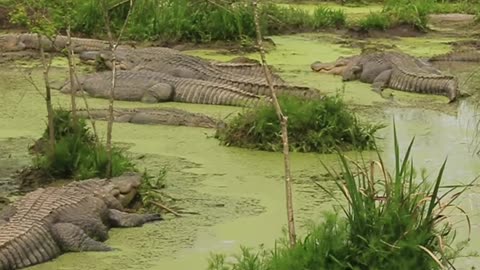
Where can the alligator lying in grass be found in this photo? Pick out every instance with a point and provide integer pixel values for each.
(160, 116)
(463, 55)
(395, 70)
(50, 221)
(242, 66)
(28, 41)
(152, 87)
(180, 65)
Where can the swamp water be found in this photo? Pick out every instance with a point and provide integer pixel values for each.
(237, 193)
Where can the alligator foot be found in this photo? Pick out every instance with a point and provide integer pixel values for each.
(122, 219)
(70, 237)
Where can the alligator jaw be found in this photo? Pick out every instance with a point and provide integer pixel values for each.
(329, 68)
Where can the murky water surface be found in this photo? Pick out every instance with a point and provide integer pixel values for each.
(237, 195)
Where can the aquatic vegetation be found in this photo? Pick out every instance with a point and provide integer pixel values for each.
(77, 154)
(150, 186)
(317, 125)
(392, 220)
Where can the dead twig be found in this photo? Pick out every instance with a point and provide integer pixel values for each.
(166, 208)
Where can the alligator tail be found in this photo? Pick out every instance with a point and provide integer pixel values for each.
(442, 85)
(34, 246)
(200, 92)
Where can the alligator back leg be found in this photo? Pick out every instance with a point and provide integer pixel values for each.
(158, 93)
(122, 219)
(70, 237)
(92, 226)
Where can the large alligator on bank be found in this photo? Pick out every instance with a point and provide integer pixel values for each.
(395, 70)
(175, 63)
(50, 221)
(152, 87)
(150, 116)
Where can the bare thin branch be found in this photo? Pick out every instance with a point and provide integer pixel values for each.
(284, 123)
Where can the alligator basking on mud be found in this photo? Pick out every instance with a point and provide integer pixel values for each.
(50, 221)
(175, 63)
(395, 70)
(149, 116)
(152, 87)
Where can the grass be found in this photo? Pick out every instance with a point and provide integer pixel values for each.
(376, 21)
(314, 126)
(77, 155)
(203, 21)
(391, 220)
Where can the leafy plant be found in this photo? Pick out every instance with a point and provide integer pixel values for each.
(151, 185)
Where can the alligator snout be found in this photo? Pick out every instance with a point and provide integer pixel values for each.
(329, 68)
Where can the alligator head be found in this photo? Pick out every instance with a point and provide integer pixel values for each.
(124, 188)
(11, 43)
(338, 67)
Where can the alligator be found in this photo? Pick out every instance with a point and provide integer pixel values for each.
(76, 217)
(181, 65)
(392, 69)
(162, 116)
(29, 41)
(242, 66)
(461, 55)
(151, 87)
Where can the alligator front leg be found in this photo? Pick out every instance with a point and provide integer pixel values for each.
(70, 237)
(381, 81)
(122, 219)
(158, 93)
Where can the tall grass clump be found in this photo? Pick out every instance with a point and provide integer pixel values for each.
(77, 154)
(317, 125)
(202, 21)
(326, 17)
(410, 12)
(391, 220)
(375, 21)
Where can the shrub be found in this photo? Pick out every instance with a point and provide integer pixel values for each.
(76, 152)
(392, 221)
(318, 125)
